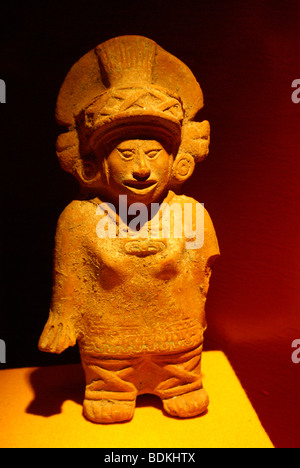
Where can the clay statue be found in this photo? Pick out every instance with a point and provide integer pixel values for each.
(133, 257)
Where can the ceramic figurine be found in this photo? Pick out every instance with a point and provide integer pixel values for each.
(133, 257)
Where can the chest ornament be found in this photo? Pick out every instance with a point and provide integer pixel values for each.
(143, 247)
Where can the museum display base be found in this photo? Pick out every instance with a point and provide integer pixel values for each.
(42, 408)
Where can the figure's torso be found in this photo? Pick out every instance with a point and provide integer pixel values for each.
(139, 295)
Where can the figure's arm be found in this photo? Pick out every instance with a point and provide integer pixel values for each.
(202, 240)
(59, 332)
(57, 335)
(210, 240)
(208, 251)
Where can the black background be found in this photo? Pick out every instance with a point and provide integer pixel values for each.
(245, 54)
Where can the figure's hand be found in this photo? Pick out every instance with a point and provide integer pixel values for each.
(57, 336)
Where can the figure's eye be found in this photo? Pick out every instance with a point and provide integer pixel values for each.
(153, 153)
(126, 154)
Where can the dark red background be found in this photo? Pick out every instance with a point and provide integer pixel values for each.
(245, 55)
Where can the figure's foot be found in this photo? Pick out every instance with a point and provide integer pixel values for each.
(108, 411)
(187, 405)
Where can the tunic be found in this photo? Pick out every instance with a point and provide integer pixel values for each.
(124, 294)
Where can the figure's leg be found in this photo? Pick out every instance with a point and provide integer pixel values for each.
(182, 392)
(109, 396)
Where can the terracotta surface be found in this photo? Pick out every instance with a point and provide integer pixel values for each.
(40, 407)
(132, 255)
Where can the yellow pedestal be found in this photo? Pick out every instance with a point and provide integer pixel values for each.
(230, 421)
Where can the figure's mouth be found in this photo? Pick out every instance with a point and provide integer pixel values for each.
(140, 187)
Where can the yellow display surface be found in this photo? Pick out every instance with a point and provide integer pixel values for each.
(40, 408)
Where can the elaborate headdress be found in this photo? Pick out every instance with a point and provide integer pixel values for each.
(127, 84)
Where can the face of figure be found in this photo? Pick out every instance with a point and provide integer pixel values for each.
(140, 169)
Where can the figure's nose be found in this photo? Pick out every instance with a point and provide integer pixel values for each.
(141, 170)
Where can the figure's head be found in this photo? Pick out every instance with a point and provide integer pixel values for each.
(136, 161)
(140, 169)
(130, 97)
